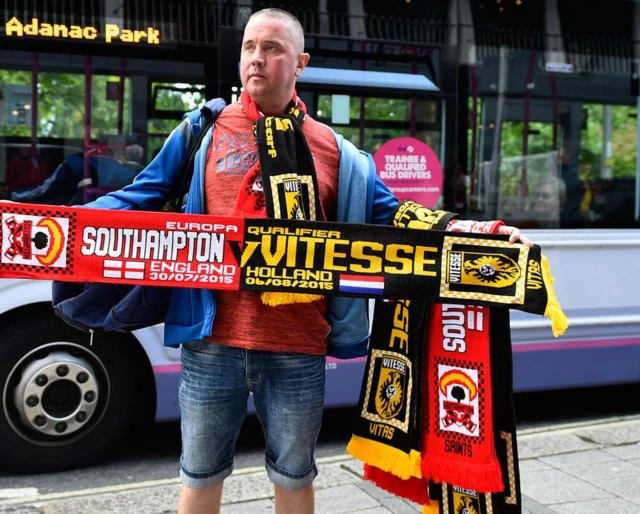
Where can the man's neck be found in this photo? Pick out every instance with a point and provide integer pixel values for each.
(276, 108)
(272, 109)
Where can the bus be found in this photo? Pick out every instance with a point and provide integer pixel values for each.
(514, 110)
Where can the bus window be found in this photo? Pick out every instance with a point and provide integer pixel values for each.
(607, 162)
(95, 121)
(542, 133)
(170, 101)
(175, 99)
(375, 120)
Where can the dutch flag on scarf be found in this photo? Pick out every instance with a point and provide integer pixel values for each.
(363, 285)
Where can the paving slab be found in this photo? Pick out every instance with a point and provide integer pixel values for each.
(578, 458)
(626, 487)
(594, 473)
(355, 466)
(400, 506)
(530, 506)
(374, 491)
(151, 500)
(611, 506)
(19, 509)
(554, 486)
(247, 487)
(527, 465)
(624, 433)
(253, 507)
(541, 445)
(343, 499)
(334, 475)
(625, 451)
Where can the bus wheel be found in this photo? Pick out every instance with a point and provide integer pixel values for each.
(66, 403)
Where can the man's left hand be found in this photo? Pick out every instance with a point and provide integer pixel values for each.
(515, 235)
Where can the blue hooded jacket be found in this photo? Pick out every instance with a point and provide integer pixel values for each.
(362, 198)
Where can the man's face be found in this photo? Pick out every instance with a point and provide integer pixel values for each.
(270, 63)
(546, 200)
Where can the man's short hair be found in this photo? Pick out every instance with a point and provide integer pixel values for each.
(297, 31)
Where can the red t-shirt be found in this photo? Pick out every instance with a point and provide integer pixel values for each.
(241, 319)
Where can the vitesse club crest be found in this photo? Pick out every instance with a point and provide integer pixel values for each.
(34, 240)
(293, 197)
(387, 399)
(466, 502)
(457, 500)
(493, 273)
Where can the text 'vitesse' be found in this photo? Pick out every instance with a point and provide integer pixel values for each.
(341, 255)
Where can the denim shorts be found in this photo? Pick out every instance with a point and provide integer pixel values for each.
(288, 393)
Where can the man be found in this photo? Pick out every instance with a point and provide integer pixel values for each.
(251, 346)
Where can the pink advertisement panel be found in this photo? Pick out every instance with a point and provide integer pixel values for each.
(410, 169)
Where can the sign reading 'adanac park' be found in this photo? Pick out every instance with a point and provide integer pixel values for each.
(109, 33)
(410, 169)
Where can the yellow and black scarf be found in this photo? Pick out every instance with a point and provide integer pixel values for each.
(283, 183)
(436, 402)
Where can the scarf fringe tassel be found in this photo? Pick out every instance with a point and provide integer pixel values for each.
(484, 479)
(414, 489)
(434, 508)
(274, 299)
(553, 311)
(385, 457)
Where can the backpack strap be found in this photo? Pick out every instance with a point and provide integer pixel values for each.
(183, 180)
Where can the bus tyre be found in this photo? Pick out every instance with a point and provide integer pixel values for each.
(67, 403)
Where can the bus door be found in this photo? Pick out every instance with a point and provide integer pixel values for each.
(397, 117)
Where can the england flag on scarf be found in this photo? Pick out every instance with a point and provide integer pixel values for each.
(123, 269)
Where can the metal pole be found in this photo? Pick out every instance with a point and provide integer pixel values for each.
(87, 121)
(496, 153)
(636, 47)
(123, 66)
(34, 102)
(638, 158)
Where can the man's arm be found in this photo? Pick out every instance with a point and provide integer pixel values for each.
(384, 202)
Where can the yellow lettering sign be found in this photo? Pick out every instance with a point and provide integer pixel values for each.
(13, 27)
(111, 32)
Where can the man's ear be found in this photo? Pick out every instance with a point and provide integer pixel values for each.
(303, 60)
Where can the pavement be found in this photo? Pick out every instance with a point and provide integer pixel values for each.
(582, 468)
